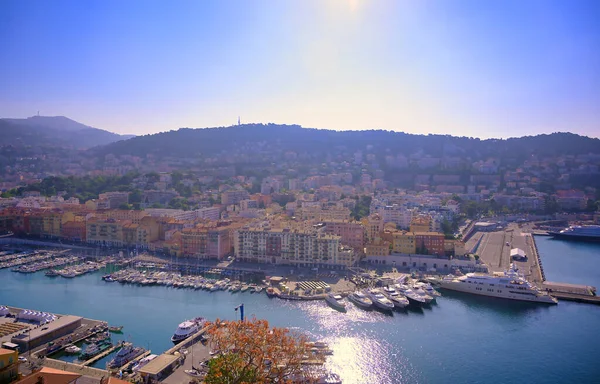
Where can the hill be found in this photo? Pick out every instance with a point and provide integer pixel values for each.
(54, 131)
(204, 142)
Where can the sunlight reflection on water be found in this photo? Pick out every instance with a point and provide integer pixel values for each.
(357, 356)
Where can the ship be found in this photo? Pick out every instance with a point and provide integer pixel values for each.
(187, 329)
(578, 233)
(509, 284)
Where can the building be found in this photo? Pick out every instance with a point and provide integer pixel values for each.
(234, 197)
(107, 233)
(52, 376)
(404, 242)
(373, 226)
(378, 248)
(9, 366)
(205, 242)
(305, 248)
(429, 263)
(420, 223)
(351, 233)
(430, 243)
(114, 199)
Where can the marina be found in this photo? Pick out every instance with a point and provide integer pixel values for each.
(340, 330)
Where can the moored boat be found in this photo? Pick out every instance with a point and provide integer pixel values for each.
(379, 300)
(336, 302)
(360, 300)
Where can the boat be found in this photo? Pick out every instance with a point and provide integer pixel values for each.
(411, 295)
(127, 353)
(72, 349)
(336, 302)
(95, 349)
(51, 273)
(509, 284)
(194, 372)
(143, 362)
(379, 300)
(421, 292)
(578, 233)
(116, 329)
(271, 292)
(258, 289)
(245, 288)
(399, 300)
(187, 329)
(427, 288)
(360, 300)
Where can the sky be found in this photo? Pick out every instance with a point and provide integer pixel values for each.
(493, 68)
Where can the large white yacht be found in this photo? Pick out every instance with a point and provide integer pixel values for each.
(187, 329)
(506, 285)
(579, 233)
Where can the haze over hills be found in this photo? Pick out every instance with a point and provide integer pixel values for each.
(187, 142)
(56, 131)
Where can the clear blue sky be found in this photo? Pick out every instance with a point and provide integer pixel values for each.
(480, 68)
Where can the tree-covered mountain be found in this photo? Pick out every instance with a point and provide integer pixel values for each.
(54, 131)
(188, 142)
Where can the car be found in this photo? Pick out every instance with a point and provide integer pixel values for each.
(22, 359)
(507, 244)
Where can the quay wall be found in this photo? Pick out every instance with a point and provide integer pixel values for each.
(536, 255)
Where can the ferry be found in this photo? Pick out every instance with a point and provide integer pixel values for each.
(187, 329)
(578, 233)
(509, 284)
(360, 300)
(336, 302)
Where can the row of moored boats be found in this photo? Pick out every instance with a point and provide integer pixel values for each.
(396, 296)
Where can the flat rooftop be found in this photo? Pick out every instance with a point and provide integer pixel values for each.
(159, 364)
(49, 327)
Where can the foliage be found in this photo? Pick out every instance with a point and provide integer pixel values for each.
(362, 207)
(253, 352)
(84, 188)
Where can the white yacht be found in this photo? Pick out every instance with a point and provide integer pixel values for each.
(427, 288)
(143, 362)
(360, 300)
(336, 302)
(412, 296)
(421, 292)
(399, 300)
(187, 329)
(379, 300)
(506, 285)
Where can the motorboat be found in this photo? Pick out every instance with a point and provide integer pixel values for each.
(399, 300)
(127, 353)
(421, 292)
(72, 349)
(94, 349)
(115, 329)
(336, 302)
(428, 288)
(360, 300)
(187, 329)
(412, 296)
(379, 300)
(245, 288)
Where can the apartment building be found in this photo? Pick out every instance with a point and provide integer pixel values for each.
(233, 197)
(205, 242)
(312, 248)
(352, 233)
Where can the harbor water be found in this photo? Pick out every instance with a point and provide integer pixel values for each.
(461, 338)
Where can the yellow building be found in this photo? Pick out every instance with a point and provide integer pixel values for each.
(405, 242)
(9, 366)
(52, 223)
(108, 233)
(420, 223)
(373, 226)
(378, 248)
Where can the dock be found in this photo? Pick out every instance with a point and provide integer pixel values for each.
(572, 292)
(101, 355)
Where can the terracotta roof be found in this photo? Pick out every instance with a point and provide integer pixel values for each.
(50, 376)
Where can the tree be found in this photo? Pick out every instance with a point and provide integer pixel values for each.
(253, 352)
